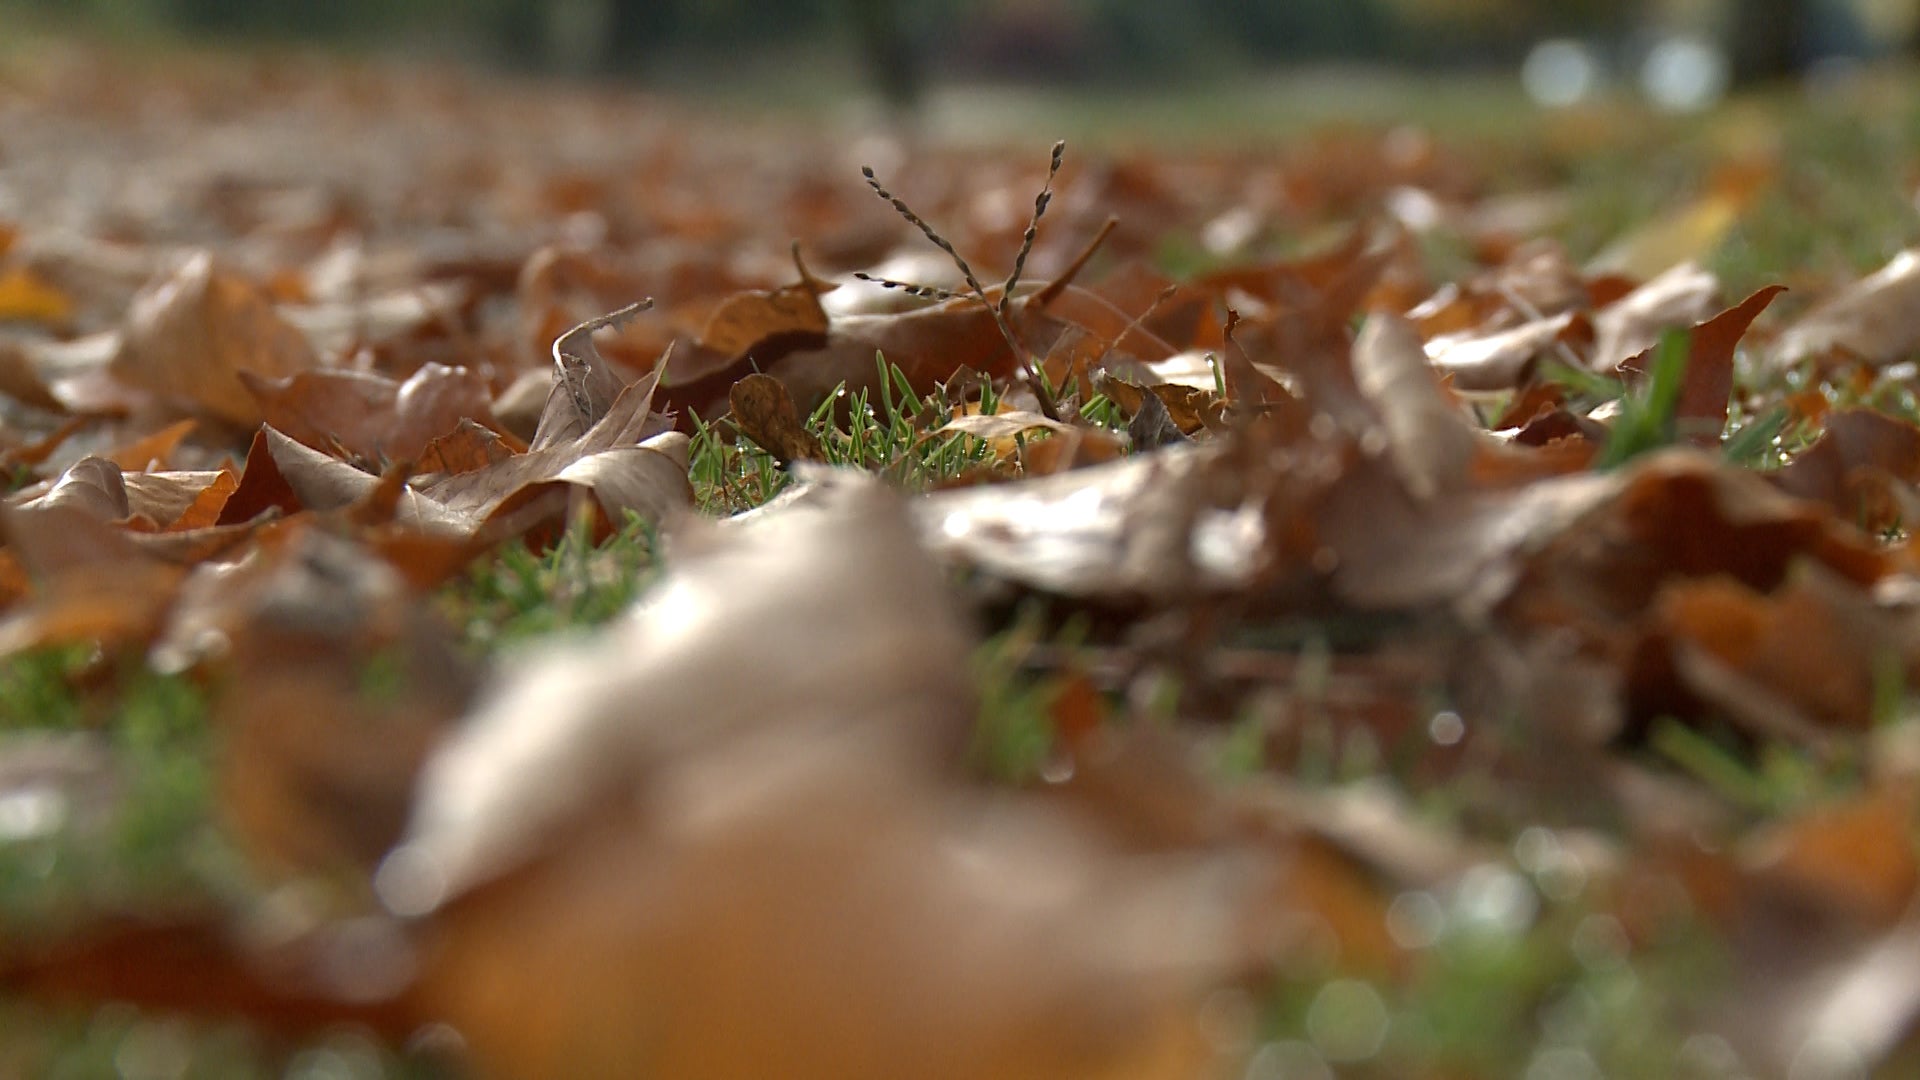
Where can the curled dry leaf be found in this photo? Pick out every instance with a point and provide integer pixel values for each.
(1152, 426)
(764, 413)
(728, 601)
(584, 387)
(1070, 446)
(92, 582)
(1002, 425)
(20, 377)
(1818, 912)
(926, 344)
(1192, 410)
(1388, 550)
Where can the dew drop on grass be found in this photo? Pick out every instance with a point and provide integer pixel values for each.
(1493, 899)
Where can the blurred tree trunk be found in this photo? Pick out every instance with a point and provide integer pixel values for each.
(636, 28)
(215, 15)
(888, 50)
(1770, 39)
(520, 33)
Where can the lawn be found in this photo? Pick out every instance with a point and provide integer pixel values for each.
(1334, 574)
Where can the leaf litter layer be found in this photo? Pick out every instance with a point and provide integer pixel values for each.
(525, 585)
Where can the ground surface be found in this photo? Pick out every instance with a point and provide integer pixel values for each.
(1413, 599)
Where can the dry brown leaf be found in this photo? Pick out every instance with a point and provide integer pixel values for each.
(368, 415)
(92, 583)
(1122, 532)
(1849, 467)
(346, 975)
(93, 486)
(466, 448)
(779, 318)
(747, 821)
(1815, 646)
(316, 771)
(1849, 853)
(173, 501)
(928, 345)
(189, 336)
(764, 413)
(20, 377)
(1386, 550)
(318, 482)
(151, 450)
(1191, 410)
(627, 424)
(1708, 381)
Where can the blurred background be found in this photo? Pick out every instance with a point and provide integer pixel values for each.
(1680, 54)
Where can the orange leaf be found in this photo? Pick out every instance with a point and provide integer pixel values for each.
(25, 297)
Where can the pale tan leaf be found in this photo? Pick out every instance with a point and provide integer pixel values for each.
(1877, 319)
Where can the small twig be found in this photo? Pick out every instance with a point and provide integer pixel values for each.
(1048, 407)
(941, 242)
(924, 292)
(1040, 202)
(1165, 295)
(1051, 290)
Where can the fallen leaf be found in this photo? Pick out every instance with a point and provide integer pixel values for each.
(189, 336)
(1427, 437)
(1871, 320)
(1848, 466)
(369, 415)
(26, 298)
(584, 387)
(1701, 411)
(766, 415)
(748, 819)
(1681, 296)
(1688, 234)
(468, 447)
